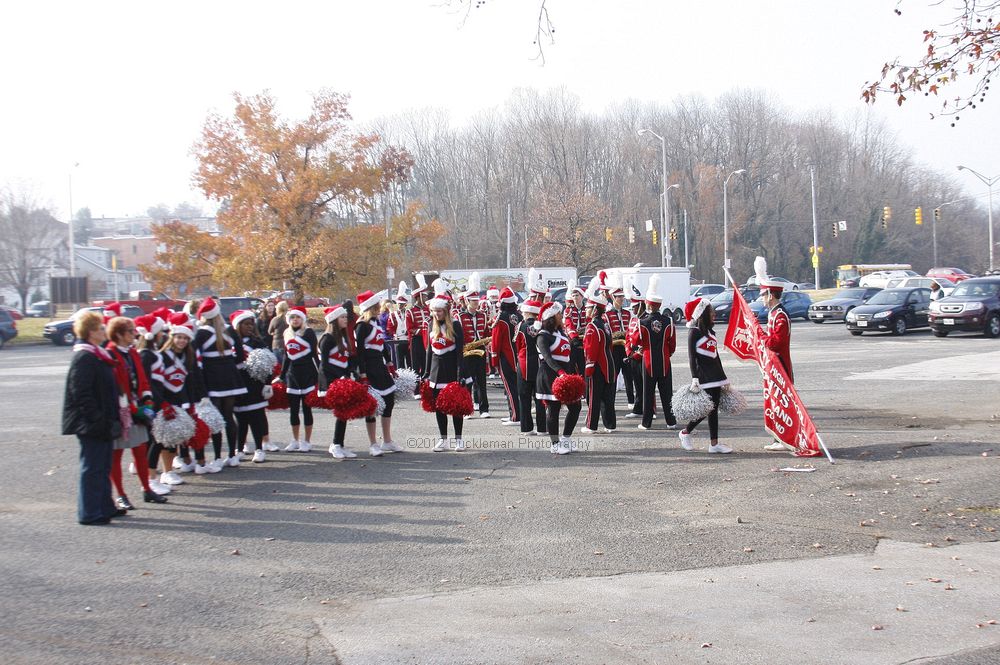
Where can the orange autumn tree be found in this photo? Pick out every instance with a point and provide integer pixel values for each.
(189, 259)
(296, 195)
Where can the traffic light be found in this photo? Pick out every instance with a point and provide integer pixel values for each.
(673, 234)
(918, 216)
(836, 230)
(937, 214)
(545, 232)
(656, 240)
(607, 233)
(886, 216)
(631, 235)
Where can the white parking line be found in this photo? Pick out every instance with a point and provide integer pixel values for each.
(972, 367)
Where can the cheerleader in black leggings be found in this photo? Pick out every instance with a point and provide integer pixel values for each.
(336, 357)
(251, 407)
(300, 375)
(554, 360)
(444, 363)
(183, 386)
(706, 370)
(373, 370)
(218, 350)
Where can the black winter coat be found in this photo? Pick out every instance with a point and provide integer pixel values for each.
(90, 405)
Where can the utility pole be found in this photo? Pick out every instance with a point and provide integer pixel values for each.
(687, 264)
(815, 256)
(508, 236)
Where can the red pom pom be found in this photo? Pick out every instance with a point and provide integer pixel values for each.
(349, 400)
(202, 435)
(313, 400)
(427, 397)
(454, 400)
(276, 372)
(279, 400)
(568, 388)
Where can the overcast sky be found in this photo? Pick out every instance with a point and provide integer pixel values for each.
(123, 88)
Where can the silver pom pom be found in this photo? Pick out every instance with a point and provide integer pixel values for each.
(208, 413)
(174, 431)
(379, 401)
(406, 381)
(732, 402)
(688, 406)
(260, 365)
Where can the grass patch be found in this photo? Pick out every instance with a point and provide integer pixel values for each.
(29, 331)
(989, 510)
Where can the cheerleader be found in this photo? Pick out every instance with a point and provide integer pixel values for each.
(183, 386)
(374, 372)
(337, 359)
(217, 351)
(250, 407)
(300, 375)
(136, 396)
(554, 360)
(527, 368)
(600, 368)
(706, 370)
(445, 363)
(149, 338)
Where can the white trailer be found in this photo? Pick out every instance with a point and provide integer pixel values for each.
(515, 278)
(675, 285)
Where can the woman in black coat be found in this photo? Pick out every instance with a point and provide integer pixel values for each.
(90, 411)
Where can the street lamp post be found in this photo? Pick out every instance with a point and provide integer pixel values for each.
(815, 256)
(989, 182)
(666, 228)
(725, 218)
(665, 258)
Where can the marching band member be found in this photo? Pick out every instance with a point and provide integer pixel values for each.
(217, 351)
(632, 352)
(706, 370)
(445, 361)
(492, 306)
(575, 324)
(416, 320)
(183, 385)
(657, 341)
(338, 362)
(374, 372)
(396, 328)
(779, 329)
(502, 349)
(251, 407)
(300, 375)
(600, 369)
(527, 367)
(476, 335)
(618, 321)
(553, 349)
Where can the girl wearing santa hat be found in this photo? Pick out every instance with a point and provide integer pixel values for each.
(149, 338)
(300, 375)
(336, 353)
(250, 407)
(706, 370)
(183, 386)
(218, 351)
(373, 370)
(554, 355)
(444, 362)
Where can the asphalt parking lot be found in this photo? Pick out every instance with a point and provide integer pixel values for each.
(631, 550)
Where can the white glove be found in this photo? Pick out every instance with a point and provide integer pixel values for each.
(267, 392)
(695, 385)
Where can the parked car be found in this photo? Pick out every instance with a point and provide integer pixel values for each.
(795, 303)
(40, 310)
(559, 295)
(147, 301)
(789, 284)
(880, 278)
(228, 305)
(8, 328)
(974, 306)
(920, 282)
(706, 290)
(61, 332)
(955, 275)
(837, 307)
(307, 301)
(892, 310)
(14, 312)
(722, 303)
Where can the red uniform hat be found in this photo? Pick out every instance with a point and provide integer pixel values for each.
(162, 313)
(369, 299)
(331, 314)
(209, 309)
(549, 310)
(112, 309)
(297, 310)
(180, 324)
(507, 295)
(239, 316)
(693, 311)
(531, 306)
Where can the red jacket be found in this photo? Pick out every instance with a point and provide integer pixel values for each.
(618, 320)
(597, 348)
(417, 318)
(632, 338)
(778, 337)
(502, 339)
(122, 377)
(475, 325)
(574, 321)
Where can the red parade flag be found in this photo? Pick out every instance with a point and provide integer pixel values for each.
(785, 416)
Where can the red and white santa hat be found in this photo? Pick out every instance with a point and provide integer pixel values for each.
(765, 281)
(369, 299)
(531, 306)
(180, 324)
(493, 293)
(693, 311)
(112, 309)
(162, 313)
(507, 295)
(331, 314)
(239, 316)
(549, 310)
(441, 299)
(148, 326)
(209, 309)
(297, 310)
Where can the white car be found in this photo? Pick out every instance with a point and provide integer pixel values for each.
(880, 278)
(947, 286)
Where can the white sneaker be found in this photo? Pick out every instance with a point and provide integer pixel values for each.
(271, 447)
(391, 447)
(720, 448)
(610, 431)
(159, 487)
(171, 478)
(630, 414)
(218, 464)
(232, 461)
(643, 427)
(573, 447)
(563, 447)
(673, 427)
(374, 450)
(293, 446)
(484, 414)
(337, 451)
(332, 449)
(131, 468)
(441, 446)
(778, 446)
(587, 430)
(348, 454)
(459, 445)
(181, 467)
(247, 450)
(242, 455)
(416, 397)
(631, 406)
(201, 470)
(554, 449)
(211, 468)
(305, 446)
(685, 440)
(258, 456)
(510, 422)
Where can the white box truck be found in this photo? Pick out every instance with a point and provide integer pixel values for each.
(675, 285)
(515, 278)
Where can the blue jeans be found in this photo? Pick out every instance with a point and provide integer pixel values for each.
(95, 501)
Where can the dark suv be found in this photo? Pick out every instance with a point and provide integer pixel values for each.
(8, 328)
(974, 306)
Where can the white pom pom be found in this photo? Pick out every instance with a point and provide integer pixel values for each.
(688, 406)
(208, 413)
(260, 365)
(379, 401)
(406, 381)
(732, 402)
(172, 427)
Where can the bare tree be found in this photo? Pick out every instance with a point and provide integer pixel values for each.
(31, 242)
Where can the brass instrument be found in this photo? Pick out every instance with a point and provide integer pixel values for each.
(618, 339)
(475, 348)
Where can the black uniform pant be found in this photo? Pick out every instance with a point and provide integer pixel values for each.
(418, 355)
(526, 395)
(650, 385)
(621, 367)
(401, 354)
(508, 375)
(713, 417)
(254, 422)
(636, 374)
(577, 362)
(475, 368)
(225, 406)
(601, 401)
(390, 401)
(442, 420)
(552, 419)
(294, 402)
(339, 431)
